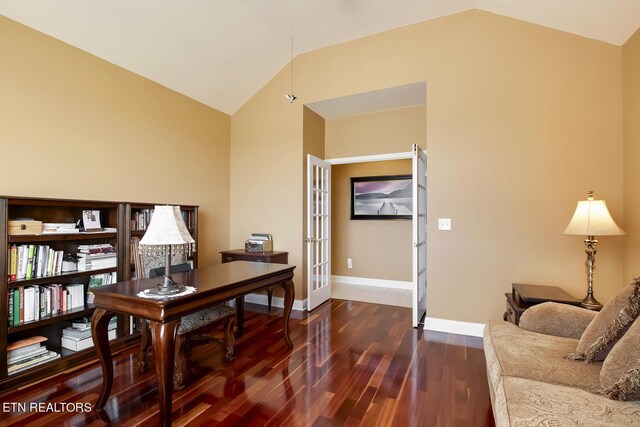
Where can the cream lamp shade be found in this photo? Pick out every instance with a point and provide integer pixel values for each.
(166, 228)
(592, 218)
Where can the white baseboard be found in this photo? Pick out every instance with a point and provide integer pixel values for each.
(365, 281)
(261, 299)
(454, 327)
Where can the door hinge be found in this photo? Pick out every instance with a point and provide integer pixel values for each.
(310, 240)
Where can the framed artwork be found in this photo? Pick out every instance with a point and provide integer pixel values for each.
(382, 197)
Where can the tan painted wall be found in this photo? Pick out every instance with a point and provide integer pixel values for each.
(380, 249)
(631, 108)
(75, 126)
(382, 132)
(516, 112)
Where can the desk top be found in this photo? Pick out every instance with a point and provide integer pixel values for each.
(214, 284)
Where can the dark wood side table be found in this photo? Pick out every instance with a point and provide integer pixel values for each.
(523, 296)
(275, 257)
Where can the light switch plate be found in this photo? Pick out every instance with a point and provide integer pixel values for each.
(444, 223)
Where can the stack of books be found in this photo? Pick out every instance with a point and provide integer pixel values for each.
(78, 336)
(27, 353)
(59, 228)
(29, 261)
(96, 257)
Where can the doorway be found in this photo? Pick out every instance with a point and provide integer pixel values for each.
(386, 121)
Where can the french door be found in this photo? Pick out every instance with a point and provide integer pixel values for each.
(419, 225)
(318, 231)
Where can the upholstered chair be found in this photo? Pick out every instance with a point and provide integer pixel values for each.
(199, 322)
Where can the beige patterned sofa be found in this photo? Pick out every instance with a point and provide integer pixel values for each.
(533, 383)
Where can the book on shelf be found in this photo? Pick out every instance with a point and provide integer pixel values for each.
(96, 257)
(59, 228)
(27, 353)
(31, 303)
(33, 261)
(97, 248)
(81, 328)
(75, 344)
(98, 280)
(32, 362)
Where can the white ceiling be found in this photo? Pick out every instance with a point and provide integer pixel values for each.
(221, 52)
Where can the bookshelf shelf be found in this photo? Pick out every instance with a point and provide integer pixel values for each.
(47, 320)
(31, 238)
(59, 277)
(118, 216)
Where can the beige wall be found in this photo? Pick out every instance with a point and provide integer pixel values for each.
(383, 132)
(631, 88)
(75, 126)
(380, 249)
(516, 113)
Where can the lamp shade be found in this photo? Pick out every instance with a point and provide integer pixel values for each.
(592, 218)
(166, 228)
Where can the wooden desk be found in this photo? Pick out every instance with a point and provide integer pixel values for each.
(215, 284)
(242, 255)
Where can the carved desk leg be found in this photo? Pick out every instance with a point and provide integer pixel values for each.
(240, 316)
(163, 337)
(289, 294)
(100, 334)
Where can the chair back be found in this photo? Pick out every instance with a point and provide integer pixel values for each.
(151, 262)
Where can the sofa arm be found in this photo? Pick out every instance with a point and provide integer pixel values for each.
(561, 320)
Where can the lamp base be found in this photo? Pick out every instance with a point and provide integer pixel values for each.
(589, 302)
(168, 287)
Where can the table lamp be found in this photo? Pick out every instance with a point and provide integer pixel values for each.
(592, 218)
(166, 234)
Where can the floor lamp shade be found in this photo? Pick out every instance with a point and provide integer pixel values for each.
(592, 218)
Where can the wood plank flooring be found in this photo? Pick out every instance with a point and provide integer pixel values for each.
(353, 364)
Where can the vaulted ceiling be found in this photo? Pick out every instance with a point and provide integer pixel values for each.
(221, 52)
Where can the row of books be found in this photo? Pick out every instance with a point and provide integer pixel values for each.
(29, 261)
(78, 336)
(28, 353)
(140, 219)
(31, 303)
(99, 280)
(96, 257)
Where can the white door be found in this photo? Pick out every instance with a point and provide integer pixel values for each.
(318, 232)
(419, 235)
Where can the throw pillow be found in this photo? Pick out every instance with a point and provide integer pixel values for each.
(620, 373)
(609, 324)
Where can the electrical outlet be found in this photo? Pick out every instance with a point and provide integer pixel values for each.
(444, 223)
(349, 263)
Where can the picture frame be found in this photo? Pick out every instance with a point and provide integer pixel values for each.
(382, 197)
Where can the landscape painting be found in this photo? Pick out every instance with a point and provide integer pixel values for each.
(382, 197)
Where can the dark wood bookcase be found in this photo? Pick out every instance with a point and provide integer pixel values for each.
(114, 215)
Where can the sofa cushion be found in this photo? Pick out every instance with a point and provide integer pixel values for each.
(535, 403)
(620, 374)
(526, 354)
(609, 324)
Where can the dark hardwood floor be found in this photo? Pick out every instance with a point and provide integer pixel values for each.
(352, 364)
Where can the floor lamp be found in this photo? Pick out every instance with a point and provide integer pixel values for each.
(591, 219)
